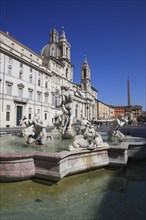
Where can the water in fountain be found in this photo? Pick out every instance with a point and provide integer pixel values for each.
(84, 196)
(15, 144)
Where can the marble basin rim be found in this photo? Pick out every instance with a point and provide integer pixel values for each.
(53, 166)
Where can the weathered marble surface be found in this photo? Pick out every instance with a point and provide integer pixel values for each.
(55, 166)
(114, 134)
(35, 131)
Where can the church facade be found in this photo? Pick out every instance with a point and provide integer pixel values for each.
(31, 83)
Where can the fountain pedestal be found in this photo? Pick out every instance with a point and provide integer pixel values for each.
(118, 154)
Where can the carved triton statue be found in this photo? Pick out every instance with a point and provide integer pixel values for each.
(88, 138)
(114, 134)
(64, 121)
(35, 131)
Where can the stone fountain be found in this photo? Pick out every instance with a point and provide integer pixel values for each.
(86, 149)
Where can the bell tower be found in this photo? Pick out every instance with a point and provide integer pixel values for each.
(54, 35)
(64, 46)
(85, 77)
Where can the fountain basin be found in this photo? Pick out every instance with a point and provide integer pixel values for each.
(137, 149)
(54, 166)
(118, 154)
(15, 167)
(51, 166)
(136, 146)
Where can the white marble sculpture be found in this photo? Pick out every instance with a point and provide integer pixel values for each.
(114, 134)
(88, 139)
(35, 131)
(64, 121)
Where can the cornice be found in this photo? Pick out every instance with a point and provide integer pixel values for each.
(9, 53)
(19, 43)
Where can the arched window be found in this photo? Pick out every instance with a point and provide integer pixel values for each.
(67, 52)
(84, 73)
(67, 73)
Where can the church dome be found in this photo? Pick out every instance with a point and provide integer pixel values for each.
(49, 50)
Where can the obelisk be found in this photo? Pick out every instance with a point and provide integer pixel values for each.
(128, 88)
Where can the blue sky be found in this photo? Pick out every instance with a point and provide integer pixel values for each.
(110, 33)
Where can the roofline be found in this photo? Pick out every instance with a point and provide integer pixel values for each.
(126, 106)
(18, 42)
(94, 89)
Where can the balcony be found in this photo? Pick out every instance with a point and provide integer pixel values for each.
(20, 100)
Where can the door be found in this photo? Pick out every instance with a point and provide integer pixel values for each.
(18, 114)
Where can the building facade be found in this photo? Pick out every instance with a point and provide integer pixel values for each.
(136, 110)
(105, 111)
(31, 83)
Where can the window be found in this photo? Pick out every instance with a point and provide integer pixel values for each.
(39, 96)
(84, 73)
(46, 97)
(9, 89)
(93, 109)
(61, 51)
(7, 116)
(29, 113)
(39, 82)
(8, 107)
(52, 96)
(30, 78)
(46, 84)
(21, 65)
(10, 60)
(8, 113)
(45, 116)
(9, 69)
(67, 73)
(67, 52)
(30, 69)
(38, 111)
(76, 111)
(20, 74)
(20, 91)
(56, 101)
(30, 94)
